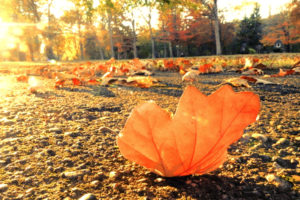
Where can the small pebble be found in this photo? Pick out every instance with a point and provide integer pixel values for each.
(74, 174)
(6, 122)
(159, 180)
(279, 182)
(95, 183)
(282, 153)
(50, 152)
(55, 130)
(105, 130)
(282, 143)
(71, 134)
(260, 137)
(3, 187)
(88, 196)
(245, 138)
(112, 174)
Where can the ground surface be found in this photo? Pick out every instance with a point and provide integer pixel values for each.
(61, 144)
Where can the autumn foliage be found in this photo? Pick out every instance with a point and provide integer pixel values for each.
(196, 139)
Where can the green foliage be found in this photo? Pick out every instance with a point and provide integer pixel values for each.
(252, 51)
(250, 29)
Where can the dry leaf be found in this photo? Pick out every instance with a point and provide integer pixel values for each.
(284, 73)
(256, 80)
(238, 82)
(260, 66)
(206, 68)
(253, 71)
(297, 64)
(196, 139)
(77, 82)
(297, 70)
(142, 72)
(141, 81)
(22, 78)
(59, 82)
(190, 76)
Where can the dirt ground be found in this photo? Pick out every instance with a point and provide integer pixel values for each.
(61, 143)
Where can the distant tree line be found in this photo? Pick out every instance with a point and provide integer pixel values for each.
(124, 29)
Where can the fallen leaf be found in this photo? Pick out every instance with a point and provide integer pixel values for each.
(205, 68)
(256, 80)
(265, 82)
(59, 83)
(108, 74)
(142, 72)
(267, 76)
(297, 64)
(108, 80)
(248, 64)
(92, 81)
(190, 75)
(22, 78)
(217, 68)
(297, 70)
(282, 73)
(237, 82)
(169, 64)
(196, 139)
(249, 79)
(140, 81)
(253, 71)
(260, 66)
(76, 81)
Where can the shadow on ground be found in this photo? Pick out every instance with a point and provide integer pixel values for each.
(217, 187)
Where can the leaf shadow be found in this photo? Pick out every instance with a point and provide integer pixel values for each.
(94, 90)
(282, 89)
(211, 186)
(167, 88)
(46, 95)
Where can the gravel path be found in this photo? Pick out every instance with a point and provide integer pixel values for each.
(60, 144)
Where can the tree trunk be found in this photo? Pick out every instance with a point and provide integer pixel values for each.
(175, 32)
(110, 35)
(134, 37)
(151, 34)
(217, 29)
(153, 46)
(31, 52)
(170, 49)
(101, 54)
(80, 42)
(177, 51)
(49, 45)
(165, 50)
(125, 55)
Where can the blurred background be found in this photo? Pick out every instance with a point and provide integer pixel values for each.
(41, 30)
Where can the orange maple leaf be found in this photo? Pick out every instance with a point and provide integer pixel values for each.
(22, 78)
(196, 139)
(59, 83)
(284, 73)
(205, 68)
(76, 81)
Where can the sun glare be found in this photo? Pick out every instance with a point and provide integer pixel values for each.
(10, 37)
(60, 6)
(237, 9)
(4, 30)
(5, 84)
